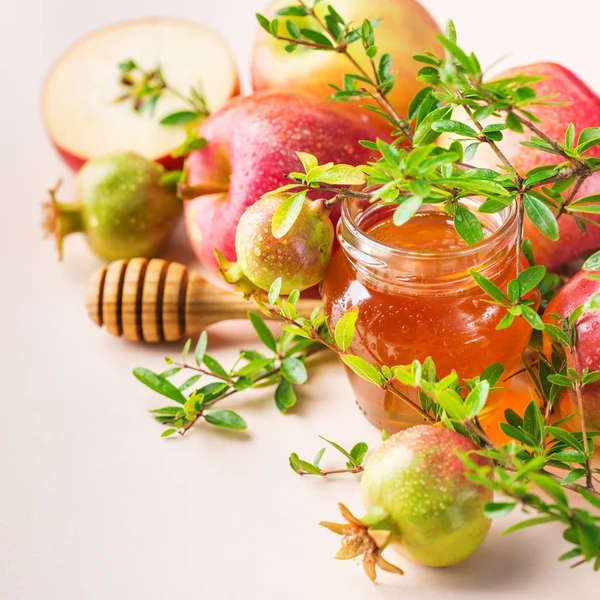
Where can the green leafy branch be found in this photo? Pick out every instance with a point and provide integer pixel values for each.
(518, 466)
(333, 33)
(280, 364)
(412, 175)
(145, 88)
(354, 460)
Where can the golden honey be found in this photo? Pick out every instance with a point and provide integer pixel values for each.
(416, 299)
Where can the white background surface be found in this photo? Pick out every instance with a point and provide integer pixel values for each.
(93, 504)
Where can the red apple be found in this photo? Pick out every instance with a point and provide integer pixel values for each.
(406, 29)
(251, 147)
(78, 100)
(583, 110)
(587, 351)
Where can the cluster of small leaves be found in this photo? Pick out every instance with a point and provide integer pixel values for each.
(522, 464)
(354, 460)
(145, 88)
(419, 172)
(519, 465)
(299, 25)
(518, 299)
(281, 363)
(315, 176)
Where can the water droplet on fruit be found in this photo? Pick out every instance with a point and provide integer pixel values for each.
(257, 252)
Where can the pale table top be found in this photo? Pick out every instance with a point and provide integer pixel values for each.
(93, 504)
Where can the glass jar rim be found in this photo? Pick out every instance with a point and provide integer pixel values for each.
(359, 237)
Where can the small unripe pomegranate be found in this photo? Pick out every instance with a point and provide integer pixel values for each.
(586, 353)
(417, 479)
(418, 502)
(300, 257)
(120, 206)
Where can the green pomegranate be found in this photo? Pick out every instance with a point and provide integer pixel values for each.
(120, 206)
(417, 479)
(418, 502)
(300, 257)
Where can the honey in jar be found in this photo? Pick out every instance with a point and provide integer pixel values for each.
(416, 299)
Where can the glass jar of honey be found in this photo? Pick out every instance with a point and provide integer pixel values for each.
(416, 299)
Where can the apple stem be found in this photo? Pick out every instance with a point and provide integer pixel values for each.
(189, 192)
(61, 219)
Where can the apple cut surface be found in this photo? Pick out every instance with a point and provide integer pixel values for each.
(78, 101)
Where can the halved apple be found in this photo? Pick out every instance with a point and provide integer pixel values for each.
(78, 100)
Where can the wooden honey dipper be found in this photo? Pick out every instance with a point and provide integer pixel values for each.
(155, 301)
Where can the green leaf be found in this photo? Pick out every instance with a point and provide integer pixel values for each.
(517, 434)
(505, 322)
(417, 101)
(592, 263)
(569, 456)
(570, 135)
(168, 432)
(533, 422)
(170, 372)
(318, 457)
(286, 214)
(475, 401)
(170, 180)
(186, 350)
(293, 370)
(407, 210)
(223, 417)
(188, 383)
(457, 53)
(274, 291)
(285, 397)
(449, 126)
(341, 175)
(264, 22)
(309, 161)
(358, 452)
(552, 488)
(588, 138)
(263, 332)
(182, 117)
(541, 217)
(488, 286)
(214, 366)
(423, 134)
(528, 523)
(586, 209)
(341, 450)
(493, 373)
(591, 499)
(127, 66)
(167, 410)
(362, 368)
(557, 334)
(344, 330)
(573, 476)
(530, 278)
(200, 350)
(292, 11)
(561, 380)
(316, 37)
(452, 403)
(532, 317)
(494, 510)
(297, 464)
(467, 225)
(385, 65)
(159, 384)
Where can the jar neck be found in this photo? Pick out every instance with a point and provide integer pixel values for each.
(434, 271)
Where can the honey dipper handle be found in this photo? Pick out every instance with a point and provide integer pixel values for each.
(155, 301)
